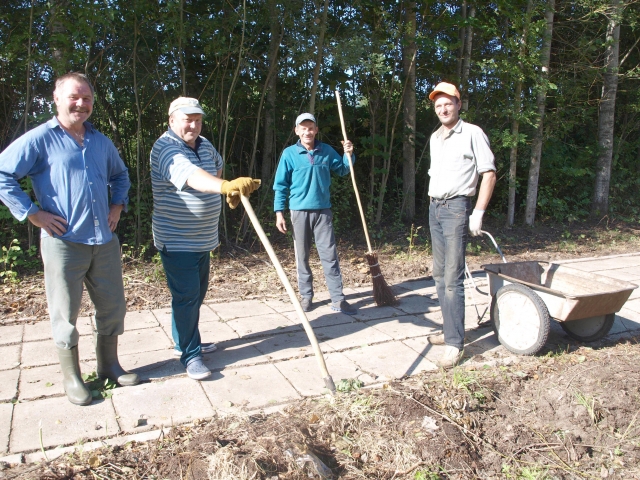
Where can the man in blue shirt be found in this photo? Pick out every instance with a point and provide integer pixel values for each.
(73, 169)
(304, 177)
(186, 173)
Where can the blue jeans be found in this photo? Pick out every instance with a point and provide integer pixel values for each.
(449, 223)
(188, 280)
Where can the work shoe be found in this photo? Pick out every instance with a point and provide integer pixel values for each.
(436, 339)
(344, 307)
(306, 303)
(450, 357)
(74, 386)
(108, 364)
(197, 370)
(204, 348)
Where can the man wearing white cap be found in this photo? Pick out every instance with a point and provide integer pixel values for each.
(186, 173)
(460, 153)
(303, 177)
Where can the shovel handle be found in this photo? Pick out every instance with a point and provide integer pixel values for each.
(292, 295)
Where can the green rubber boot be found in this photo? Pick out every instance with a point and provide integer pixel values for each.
(108, 364)
(72, 382)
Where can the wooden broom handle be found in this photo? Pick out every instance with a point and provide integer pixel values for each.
(353, 176)
(288, 288)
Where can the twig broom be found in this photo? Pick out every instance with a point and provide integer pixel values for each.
(382, 293)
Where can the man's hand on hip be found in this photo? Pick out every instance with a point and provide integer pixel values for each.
(475, 222)
(280, 222)
(242, 185)
(52, 224)
(114, 216)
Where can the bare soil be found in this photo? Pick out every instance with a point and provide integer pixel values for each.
(564, 414)
(568, 414)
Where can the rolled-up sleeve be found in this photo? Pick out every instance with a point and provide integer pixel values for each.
(16, 162)
(485, 161)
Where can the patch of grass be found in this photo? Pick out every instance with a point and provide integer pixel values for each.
(589, 403)
(99, 388)
(349, 385)
(426, 475)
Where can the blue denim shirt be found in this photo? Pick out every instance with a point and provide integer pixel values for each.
(70, 181)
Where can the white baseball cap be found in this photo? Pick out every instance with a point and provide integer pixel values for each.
(305, 116)
(185, 105)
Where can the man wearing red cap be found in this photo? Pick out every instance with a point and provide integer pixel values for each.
(460, 153)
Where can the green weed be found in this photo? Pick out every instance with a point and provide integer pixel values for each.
(13, 257)
(349, 385)
(99, 388)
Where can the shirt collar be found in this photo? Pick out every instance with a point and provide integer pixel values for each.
(456, 129)
(53, 123)
(316, 145)
(173, 135)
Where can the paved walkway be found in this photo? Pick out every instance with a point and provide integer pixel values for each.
(263, 361)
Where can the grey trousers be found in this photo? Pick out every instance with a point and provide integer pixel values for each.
(67, 266)
(309, 225)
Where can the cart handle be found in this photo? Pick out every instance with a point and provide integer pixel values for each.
(504, 260)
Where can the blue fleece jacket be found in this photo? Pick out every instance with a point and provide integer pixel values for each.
(305, 176)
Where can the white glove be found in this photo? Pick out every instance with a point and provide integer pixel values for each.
(475, 222)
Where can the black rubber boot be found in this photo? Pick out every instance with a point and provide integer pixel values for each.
(74, 386)
(108, 364)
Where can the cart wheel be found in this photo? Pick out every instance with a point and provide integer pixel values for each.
(520, 319)
(589, 329)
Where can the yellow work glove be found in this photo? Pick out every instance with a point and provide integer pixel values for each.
(242, 185)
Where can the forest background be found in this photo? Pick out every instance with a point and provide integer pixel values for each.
(553, 83)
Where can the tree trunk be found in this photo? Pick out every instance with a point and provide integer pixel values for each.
(268, 147)
(600, 201)
(409, 114)
(319, 57)
(59, 47)
(466, 62)
(183, 70)
(536, 145)
(138, 137)
(515, 122)
(462, 33)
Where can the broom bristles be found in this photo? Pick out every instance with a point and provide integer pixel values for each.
(382, 293)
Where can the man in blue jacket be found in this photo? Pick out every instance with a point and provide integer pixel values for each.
(304, 177)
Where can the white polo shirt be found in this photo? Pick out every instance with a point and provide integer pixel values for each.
(457, 160)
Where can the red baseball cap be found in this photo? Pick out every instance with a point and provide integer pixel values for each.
(444, 87)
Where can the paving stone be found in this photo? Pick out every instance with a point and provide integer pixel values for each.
(11, 334)
(153, 365)
(84, 326)
(247, 308)
(9, 384)
(372, 312)
(619, 274)
(351, 335)
(172, 402)
(134, 320)
(304, 373)
(6, 411)
(321, 317)
(633, 305)
(635, 293)
(9, 357)
(389, 361)
(37, 331)
(248, 388)
(480, 342)
(413, 285)
(62, 422)
(208, 315)
(33, 381)
(262, 324)
(280, 305)
(137, 341)
(405, 326)
(412, 303)
(288, 345)
(234, 354)
(605, 263)
(629, 318)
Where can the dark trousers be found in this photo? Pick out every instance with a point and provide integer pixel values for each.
(188, 280)
(449, 224)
